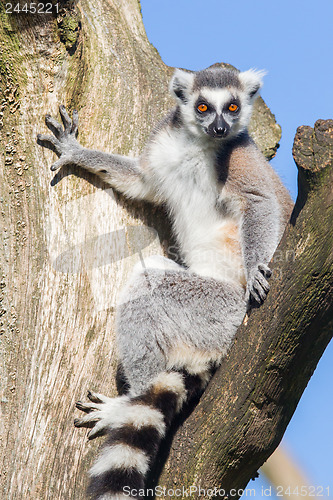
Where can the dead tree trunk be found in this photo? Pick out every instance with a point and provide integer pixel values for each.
(69, 245)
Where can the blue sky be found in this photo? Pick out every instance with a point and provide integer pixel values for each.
(292, 40)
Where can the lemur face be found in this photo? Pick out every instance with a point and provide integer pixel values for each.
(216, 102)
(217, 112)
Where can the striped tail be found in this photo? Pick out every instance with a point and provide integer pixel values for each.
(135, 427)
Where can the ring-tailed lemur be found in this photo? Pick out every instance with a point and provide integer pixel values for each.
(174, 323)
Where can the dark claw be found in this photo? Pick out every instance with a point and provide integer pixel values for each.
(78, 423)
(81, 406)
(265, 270)
(255, 297)
(94, 398)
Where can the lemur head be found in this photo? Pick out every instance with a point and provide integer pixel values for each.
(216, 101)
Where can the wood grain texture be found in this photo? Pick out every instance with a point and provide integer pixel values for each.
(68, 243)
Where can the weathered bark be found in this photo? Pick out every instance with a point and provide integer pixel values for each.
(243, 414)
(65, 253)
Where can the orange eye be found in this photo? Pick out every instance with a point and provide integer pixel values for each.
(233, 107)
(202, 108)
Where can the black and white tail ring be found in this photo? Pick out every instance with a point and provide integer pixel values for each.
(134, 427)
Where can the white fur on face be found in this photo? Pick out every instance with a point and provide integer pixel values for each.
(217, 97)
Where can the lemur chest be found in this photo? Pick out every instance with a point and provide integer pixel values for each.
(211, 245)
(206, 218)
(181, 165)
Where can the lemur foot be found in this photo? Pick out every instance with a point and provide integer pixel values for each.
(258, 286)
(63, 141)
(103, 413)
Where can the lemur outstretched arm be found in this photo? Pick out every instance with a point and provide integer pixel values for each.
(120, 172)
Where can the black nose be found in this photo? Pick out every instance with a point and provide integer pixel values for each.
(220, 131)
(218, 128)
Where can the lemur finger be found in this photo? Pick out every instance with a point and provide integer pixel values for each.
(254, 295)
(65, 118)
(260, 291)
(263, 282)
(49, 142)
(63, 160)
(98, 430)
(97, 398)
(75, 122)
(257, 296)
(54, 126)
(265, 270)
(86, 407)
(87, 421)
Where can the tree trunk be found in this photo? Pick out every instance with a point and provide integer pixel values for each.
(68, 245)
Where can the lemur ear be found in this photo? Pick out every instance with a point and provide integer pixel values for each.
(252, 81)
(181, 84)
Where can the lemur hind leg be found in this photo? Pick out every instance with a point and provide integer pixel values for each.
(172, 318)
(168, 342)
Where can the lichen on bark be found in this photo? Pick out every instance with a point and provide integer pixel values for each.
(68, 22)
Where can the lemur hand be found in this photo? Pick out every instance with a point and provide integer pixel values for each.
(63, 142)
(103, 413)
(257, 285)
